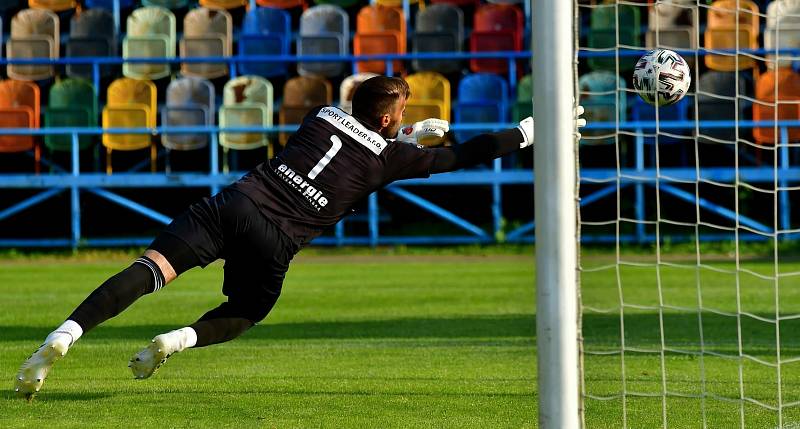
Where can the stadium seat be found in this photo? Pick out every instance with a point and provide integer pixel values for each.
(71, 103)
(721, 33)
(341, 3)
(430, 97)
(108, 4)
(715, 92)
(379, 30)
(283, 4)
(247, 102)
(224, 4)
(34, 34)
(604, 22)
(151, 34)
(324, 30)
(460, 3)
(482, 97)
(301, 94)
(602, 94)
(348, 88)
(439, 28)
(206, 33)
(166, 4)
(787, 83)
(19, 108)
(190, 102)
(497, 27)
(53, 5)
(91, 34)
(673, 26)
(266, 31)
(523, 106)
(782, 30)
(131, 103)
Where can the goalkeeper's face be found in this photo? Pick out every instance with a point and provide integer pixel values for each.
(392, 121)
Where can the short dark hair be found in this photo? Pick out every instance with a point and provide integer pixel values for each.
(376, 97)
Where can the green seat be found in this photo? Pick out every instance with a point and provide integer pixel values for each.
(523, 106)
(72, 103)
(603, 34)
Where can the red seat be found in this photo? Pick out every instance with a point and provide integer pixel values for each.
(19, 108)
(497, 27)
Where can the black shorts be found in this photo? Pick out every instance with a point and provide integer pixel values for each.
(229, 226)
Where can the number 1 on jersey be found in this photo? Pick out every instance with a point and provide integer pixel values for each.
(337, 144)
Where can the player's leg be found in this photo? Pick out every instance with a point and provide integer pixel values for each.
(257, 258)
(166, 258)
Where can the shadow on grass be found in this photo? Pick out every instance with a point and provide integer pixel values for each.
(58, 396)
(642, 329)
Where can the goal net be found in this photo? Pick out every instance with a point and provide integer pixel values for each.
(689, 276)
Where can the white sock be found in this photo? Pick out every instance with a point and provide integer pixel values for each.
(189, 335)
(70, 328)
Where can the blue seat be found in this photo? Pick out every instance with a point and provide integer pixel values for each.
(266, 31)
(108, 4)
(482, 98)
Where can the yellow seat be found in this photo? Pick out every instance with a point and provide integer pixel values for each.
(247, 102)
(430, 97)
(224, 4)
(721, 33)
(131, 104)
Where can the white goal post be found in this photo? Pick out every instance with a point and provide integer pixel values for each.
(555, 199)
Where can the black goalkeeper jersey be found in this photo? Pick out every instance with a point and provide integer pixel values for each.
(328, 165)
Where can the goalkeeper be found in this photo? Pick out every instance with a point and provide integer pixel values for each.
(260, 222)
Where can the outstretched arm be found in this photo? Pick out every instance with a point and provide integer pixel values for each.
(486, 147)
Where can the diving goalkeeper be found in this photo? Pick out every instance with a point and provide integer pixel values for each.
(260, 222)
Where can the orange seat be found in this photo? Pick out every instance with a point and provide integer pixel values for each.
(721, 33)
(19, 108)
(788, 84)
(379, 30)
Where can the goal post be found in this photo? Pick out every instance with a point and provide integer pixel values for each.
(555, 213)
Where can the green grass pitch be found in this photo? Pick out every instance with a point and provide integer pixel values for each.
(413, 342)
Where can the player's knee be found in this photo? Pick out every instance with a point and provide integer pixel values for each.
(148, 273)
(256, 310)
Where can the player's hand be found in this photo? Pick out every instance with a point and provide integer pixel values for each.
(429, 132)
(526, 126)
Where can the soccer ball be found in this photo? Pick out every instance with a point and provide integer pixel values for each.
(661, 77)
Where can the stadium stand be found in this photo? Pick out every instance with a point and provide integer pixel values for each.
(497, 28)
(207, 33)
(482, 97)
(787, 83)
(19, 108)
(265, 31)
(301, 94)
(348, 88)
(92, 34)
(71, 103)
(379, 30)
(34, 34)
(247, 102)
(190, 102)
(439, 28)
(324, 30)
(151, 34)
(721, 33)
(430, 97)
(131, 104)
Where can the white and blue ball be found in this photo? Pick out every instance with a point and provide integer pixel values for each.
(661, 77)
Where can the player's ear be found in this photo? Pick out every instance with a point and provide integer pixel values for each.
(385, 120)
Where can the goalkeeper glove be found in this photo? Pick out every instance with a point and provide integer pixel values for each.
(526, 127)
(429, 132)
